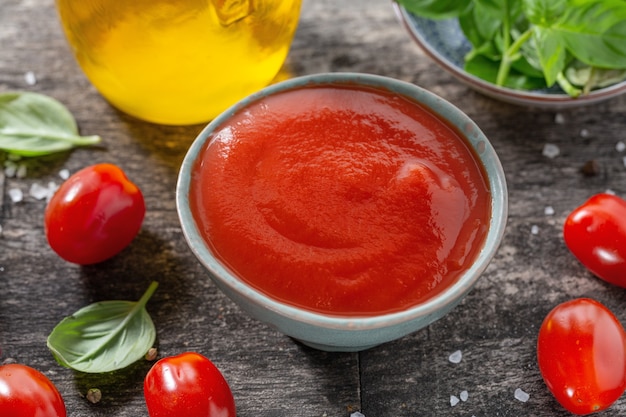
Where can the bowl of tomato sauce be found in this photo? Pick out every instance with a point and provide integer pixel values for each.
(346, 210)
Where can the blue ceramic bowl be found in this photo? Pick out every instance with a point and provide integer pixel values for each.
(444, 42)
(333, 333)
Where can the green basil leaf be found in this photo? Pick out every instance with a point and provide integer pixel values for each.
(436, 9)
(104, 336)
(483, 67)
(478, 26)
(544, 12)
(551, 52)
(594, 31)
(501, 9)
(33, 124)
(584, 76)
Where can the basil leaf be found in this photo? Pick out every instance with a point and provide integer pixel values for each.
(589, 77)
(544, 12)
(551, 52)
(526, 40)
(501, 9)
(484, 68)
(33, 124)
(479, 27)
(594, 31)
(436, 9)
(104, 336)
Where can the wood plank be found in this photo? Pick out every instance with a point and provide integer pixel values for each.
(495, 327)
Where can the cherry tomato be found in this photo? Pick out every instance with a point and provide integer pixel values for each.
(187, 385)
(93, 215)
(581, 351)
(26, 392)
(595, 232)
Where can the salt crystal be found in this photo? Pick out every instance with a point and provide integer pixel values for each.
(21, 171)
(52, 188)
(551, 151)
(357, 414)
(548, 211)
(520, 395)
(534, 229)
(64, 174)
(38, 191)
(10, 169)
(454, 400)
(620, 146)
(30, 78)
(455, 357)
(464, 395)
(16, 195)
(584, 133)
(559, 119)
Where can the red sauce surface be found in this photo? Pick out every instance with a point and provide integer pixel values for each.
(340, 200)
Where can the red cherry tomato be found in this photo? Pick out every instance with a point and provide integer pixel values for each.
(581, 351)
(26, 392)
(187, 385)
(95, 214)
(595, 232)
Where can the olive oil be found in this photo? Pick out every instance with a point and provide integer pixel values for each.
(179, 61)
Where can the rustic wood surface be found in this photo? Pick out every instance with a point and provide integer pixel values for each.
(495, 327)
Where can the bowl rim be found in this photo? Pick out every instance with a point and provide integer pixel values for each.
(526, 97)
(449, 296)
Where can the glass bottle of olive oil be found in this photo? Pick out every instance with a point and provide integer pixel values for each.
(179, 61)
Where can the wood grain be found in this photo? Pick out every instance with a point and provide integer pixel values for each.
(495, 327)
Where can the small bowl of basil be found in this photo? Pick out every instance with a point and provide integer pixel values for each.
(534, 53)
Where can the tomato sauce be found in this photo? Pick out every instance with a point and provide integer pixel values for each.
(341, 200)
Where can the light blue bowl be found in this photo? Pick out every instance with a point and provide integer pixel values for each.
(332, 333)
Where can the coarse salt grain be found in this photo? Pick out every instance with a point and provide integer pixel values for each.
(16, 195)
(559, 119)
(357, 414)
(41, 192)
(550, 150)
(464, 395)
(548, 211)
(620, 146)
(534, 229)
(455, 357)
(21, 171)
(52, 188)
(38, 191)
(10, 168)
(64, 173)
(584, 133)
(454, 400)
(521, 395)
(30, 78)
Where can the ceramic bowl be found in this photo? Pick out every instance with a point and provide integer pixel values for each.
(444, 42)
(335, 333)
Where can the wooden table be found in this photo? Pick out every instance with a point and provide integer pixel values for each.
(495, 327)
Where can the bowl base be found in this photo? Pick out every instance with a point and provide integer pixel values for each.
(332, 348)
